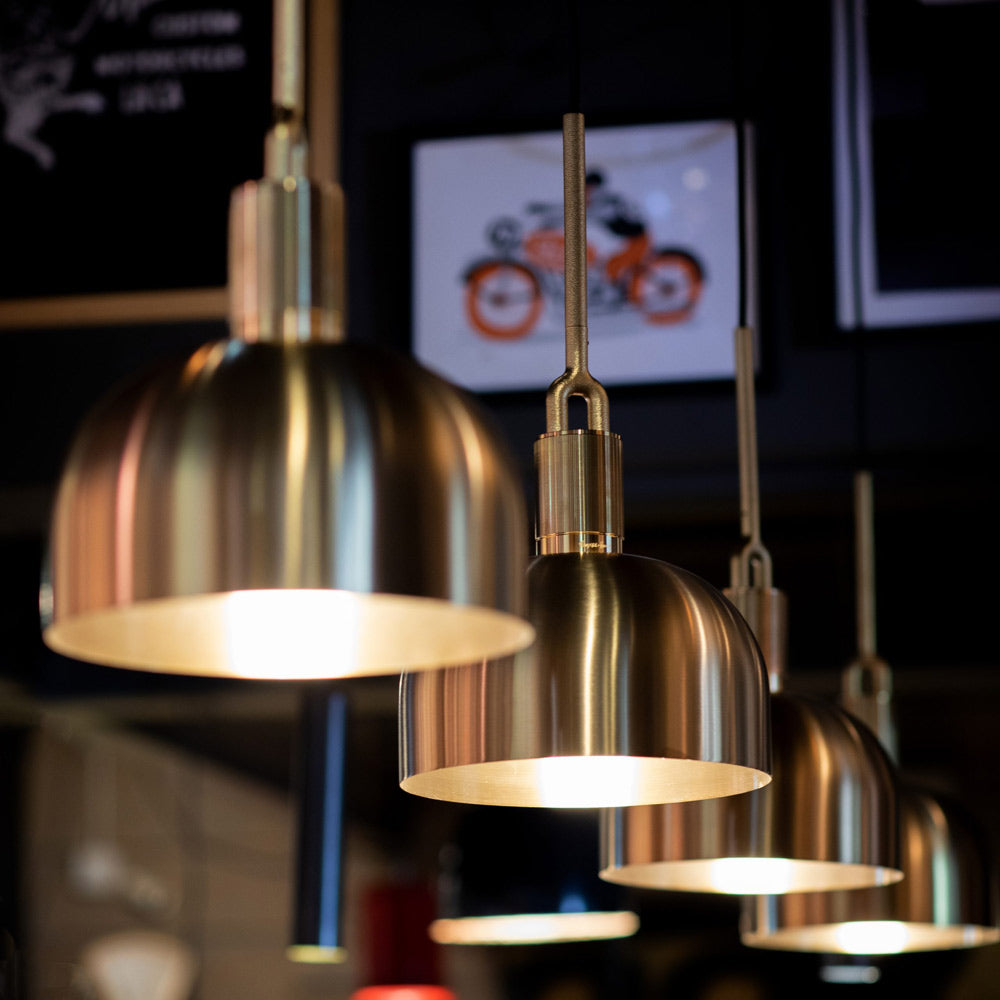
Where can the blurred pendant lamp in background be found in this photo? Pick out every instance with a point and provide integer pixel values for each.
(948, 896)
(317, 931)
(526, 876)
(828, 817)
(643, 685)
(282, 504)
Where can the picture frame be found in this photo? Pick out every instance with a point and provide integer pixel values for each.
(916, 206)
(663, 255)
(126, 127)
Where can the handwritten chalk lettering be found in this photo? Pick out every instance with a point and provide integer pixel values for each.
(196, 24)
(156, 97)
(124, 10)
(192, 59)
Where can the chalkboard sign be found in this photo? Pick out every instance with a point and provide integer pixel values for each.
(125, 126)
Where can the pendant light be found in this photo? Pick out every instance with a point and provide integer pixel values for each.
(828, 818)
(526, 876)
(644, 683)
(282, 504)
(948, 897)
(317, 931)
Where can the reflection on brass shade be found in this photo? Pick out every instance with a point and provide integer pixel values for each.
(287, 510)
(827, 819)
(644, 684)
(946, 900)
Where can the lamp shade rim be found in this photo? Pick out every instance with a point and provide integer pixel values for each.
(750, 875)
(286, 634)
(874, 937)
(535, 928)
(584, 781)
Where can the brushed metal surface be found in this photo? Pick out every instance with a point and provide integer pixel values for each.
(828, 818)
(643, 685)
(947, 899)
(320, 470)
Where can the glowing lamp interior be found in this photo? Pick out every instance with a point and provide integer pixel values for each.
(584, 782)
(750, 876)
(288, 634)
(875, 937)
(535, 928)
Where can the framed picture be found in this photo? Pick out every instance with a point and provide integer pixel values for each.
(662, 250)
(917, 204)
(125, 127)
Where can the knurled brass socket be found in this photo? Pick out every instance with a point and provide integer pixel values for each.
(766, 612)
(286, 261)
(579, 492)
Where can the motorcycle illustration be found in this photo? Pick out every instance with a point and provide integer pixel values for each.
(505, 293)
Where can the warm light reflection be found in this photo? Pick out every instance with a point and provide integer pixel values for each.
(287, 634)
(264, 628)
(535, 928)
(311, 954)
(751, 875)
(566, 782)
(871, 937)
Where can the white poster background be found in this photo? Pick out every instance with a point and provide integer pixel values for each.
(681, 178)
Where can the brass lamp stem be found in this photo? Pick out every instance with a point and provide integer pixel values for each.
(576, 380)
(285, 146)
(751, 588)
(579, 471)
(286, 233)
(753, 565)
(864, 555)
(866, 683)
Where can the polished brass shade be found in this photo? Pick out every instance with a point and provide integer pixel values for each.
(827, 819)
(947, 899)
(281, 504)
(644, 683)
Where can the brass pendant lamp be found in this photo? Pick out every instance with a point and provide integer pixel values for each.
(827, 820)
(644, 684)
(948, 896)
(282, 504)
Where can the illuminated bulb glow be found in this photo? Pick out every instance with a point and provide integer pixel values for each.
(288, 634)
(871, 937)
(563, 782)
(535, 928)
(312, 954)
(875, 937)
(584, 781)
(749, 875)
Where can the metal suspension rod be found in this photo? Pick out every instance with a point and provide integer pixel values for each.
(864, 556)
(576, 380)
(753, 565)
(285, 145)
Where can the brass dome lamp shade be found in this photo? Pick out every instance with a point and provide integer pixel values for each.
(827, 819)
(948, 896)
(282, 504)
(644, 683)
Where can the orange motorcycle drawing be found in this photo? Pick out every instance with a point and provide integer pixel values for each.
(505, 294)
